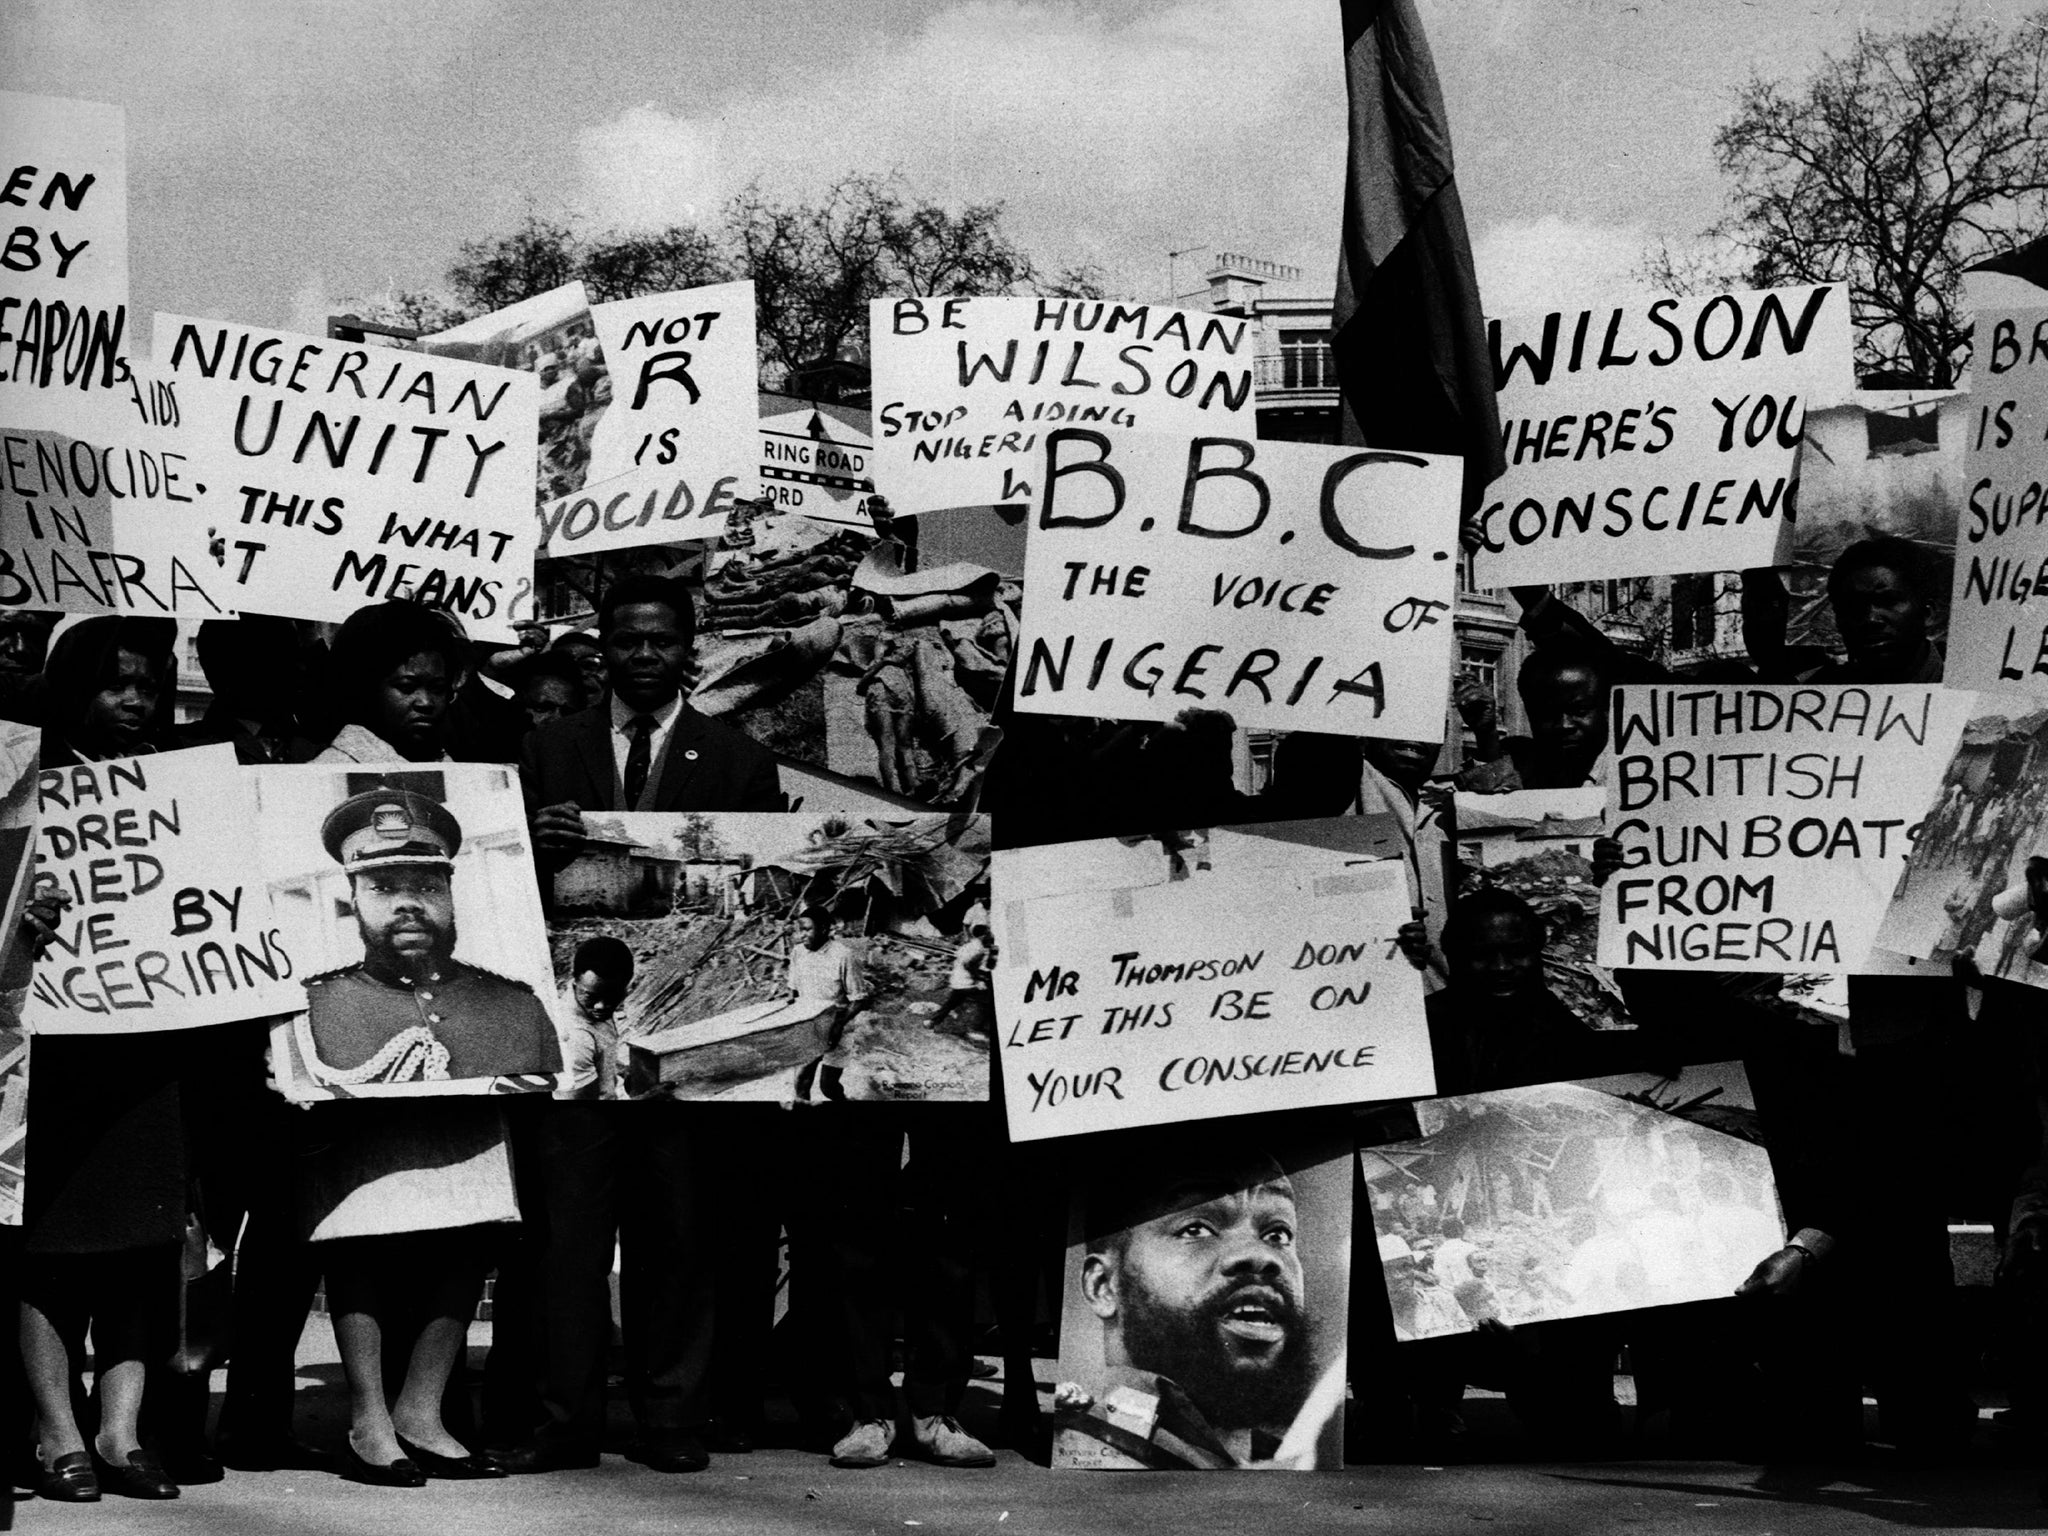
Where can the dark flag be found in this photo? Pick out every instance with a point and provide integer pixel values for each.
(1408, 338)
(2029, 262)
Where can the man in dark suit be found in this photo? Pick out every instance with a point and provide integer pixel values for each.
(628, 1172)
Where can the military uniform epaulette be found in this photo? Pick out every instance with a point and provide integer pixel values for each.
(510, 981)
(342, 970)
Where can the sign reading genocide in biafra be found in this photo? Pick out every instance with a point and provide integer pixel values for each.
(64, 207)
(1763, 829)
(680, 440)
(1188, 1000)
(335, 475)
(1658, 438)
(165, 929)
(966, 389)
(1297, 586)
(1998, 613)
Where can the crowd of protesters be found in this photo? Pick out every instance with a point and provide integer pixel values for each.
(139, 1148)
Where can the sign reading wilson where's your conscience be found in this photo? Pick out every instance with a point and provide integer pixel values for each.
(1763, 829)
(336, 475)
(1203, 997)
(1655, 438)
(1998, 615)
(166, 929)
(966, 389)
(1297, 586)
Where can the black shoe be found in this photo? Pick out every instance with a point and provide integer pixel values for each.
(272, 1453)
(70, 1479)
(730, 1439)
(450, 1468)
(395, 1474)
(672, 1450)
(192, 1466)
(142, 1478)
(544, 1454)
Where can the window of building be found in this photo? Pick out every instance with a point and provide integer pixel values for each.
(1692, 613)
(1305, 361)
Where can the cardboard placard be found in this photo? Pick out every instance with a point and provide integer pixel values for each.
(1208, 1284)
(166, 930)
(1658, 438)
(1965, 893)
(679, 441)
(966, 389)
(1998, 607)
(1213, 991)
(719, 994)
(423, 975)
(1763, 828)
(1294, 585)
(1527, 1205)
(64, 276)
(337, 475)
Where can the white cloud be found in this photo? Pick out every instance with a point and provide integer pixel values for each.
(1110, 138)
(1552, 262)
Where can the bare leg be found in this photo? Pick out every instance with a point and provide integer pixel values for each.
(48, 1364)
(361, 1339)
(417, 1413)
(119, 1389)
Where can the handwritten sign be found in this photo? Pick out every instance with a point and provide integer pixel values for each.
(336, 475)
(679, 441)
(1187, 1001)
(1998, 613)
(1655, 439)
(64, 267)
(165, 928)
(1297, 586)
(966, 389)
(1763, 829)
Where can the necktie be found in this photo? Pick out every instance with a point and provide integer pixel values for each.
(642, 727)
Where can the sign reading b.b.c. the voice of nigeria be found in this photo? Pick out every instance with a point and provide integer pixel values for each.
(1294, 585)
(1655, 437)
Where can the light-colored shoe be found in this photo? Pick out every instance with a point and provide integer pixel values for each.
(865, 1445)
(944, 1443)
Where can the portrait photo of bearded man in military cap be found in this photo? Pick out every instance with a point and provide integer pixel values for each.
(411, 1016)
(1206, 1304)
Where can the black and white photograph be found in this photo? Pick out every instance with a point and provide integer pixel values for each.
(1563, 1200)
(1975, 888)
(781, 957)
(410, 902)
(1206, 1300)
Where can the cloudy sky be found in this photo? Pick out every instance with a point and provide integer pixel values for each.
(285, 155)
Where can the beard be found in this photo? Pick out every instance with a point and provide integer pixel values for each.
(380, 951)
(1188, 1346)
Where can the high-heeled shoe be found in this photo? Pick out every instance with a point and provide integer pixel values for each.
(395, 1474)
(143, 1477)
(69, 1479)
(450, 1468)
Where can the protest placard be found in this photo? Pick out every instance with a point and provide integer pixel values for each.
(336, 475)
(408, 899)
(966, 389)
(1762, 829)
(165, 929)
(1294, 585)
(1655, 438)
(1179, 1351)
(1212, 990)
(64, 268)
(675, 438)
(18, 750)
(1525, 1205)
(1969, 888)
(690, 965)
(1998, 609)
